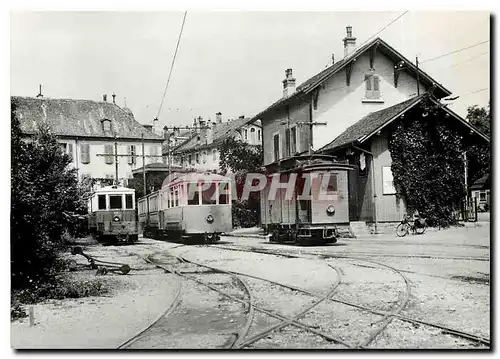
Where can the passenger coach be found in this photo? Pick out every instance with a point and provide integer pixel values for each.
(194, 206)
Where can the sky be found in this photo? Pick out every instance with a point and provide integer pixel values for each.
(228, 61)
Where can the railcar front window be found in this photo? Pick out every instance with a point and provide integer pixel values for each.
(208, 194)
(193, 194)
(115, 202)
(332, 184)
(128, 201)
(101, 201)
(223, 193)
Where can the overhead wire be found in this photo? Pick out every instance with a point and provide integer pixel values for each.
(464, 61)
(454, 52)
(382, 29)
(172, 64)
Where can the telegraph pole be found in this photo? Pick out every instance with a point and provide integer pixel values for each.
(116, 161)
(143, 167)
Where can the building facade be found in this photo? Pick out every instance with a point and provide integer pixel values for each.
(86, 131)
(344, 111)
(199, 148)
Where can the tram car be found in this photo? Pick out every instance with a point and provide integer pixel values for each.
(317, 205)
(191, 207)
(112, 215)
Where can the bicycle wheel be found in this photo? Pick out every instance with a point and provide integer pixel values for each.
(420, 230)
(402, 229)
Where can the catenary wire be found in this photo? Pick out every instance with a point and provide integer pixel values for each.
(172, 64)
(454, 52)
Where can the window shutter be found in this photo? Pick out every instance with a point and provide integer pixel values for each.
(129, 152)
(376, 87)
(287, 142)
(85, 153)
(368, 86)
(70, 151)
(109, 152)
(276, 147)
(294, 140)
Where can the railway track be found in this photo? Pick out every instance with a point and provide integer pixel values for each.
(387, 316)
(293, 254)
(240, 338)
(240, 342)
(322, 255)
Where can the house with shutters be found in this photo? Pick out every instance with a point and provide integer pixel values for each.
(199, 149)
(91, 132)
(348, 111)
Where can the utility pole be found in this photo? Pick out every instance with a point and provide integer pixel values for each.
(169, 159)
(116, 161)
(418, 80)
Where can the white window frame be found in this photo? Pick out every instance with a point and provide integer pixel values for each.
(388, 189)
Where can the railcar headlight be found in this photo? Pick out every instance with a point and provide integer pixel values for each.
(210, 218)
(330, 210)
(116, 219)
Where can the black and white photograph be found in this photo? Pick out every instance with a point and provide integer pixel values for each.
(226, 179)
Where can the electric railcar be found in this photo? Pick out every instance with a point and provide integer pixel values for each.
(316, 208)
(193, 206)
(112, 216)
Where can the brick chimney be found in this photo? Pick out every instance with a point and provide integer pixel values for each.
(288, 83)
(156, 126)
(218, 117)
(349, 42)
(105, 98)
(195, 123)
(201, 121)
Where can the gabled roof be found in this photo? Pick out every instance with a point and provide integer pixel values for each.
(220, 132)
(482, 183)
(78, 118)
(371, 122)
(376, 121)
(312, 83)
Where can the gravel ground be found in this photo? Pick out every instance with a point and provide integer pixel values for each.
(104, 322)
(447, 271)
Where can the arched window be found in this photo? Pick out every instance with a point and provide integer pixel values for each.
(214, 154)
(252, 135)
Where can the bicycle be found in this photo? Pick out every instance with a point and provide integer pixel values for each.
(418, 226)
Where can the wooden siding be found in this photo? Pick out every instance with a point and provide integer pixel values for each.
(390, 207)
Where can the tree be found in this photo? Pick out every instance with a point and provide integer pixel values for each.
(240, 158)
(236, 155)
(479, 154)
(480, 117)
(44, 202)
(154, 182)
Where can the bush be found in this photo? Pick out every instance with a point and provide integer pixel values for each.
(44, 202)
(61, 289)
(244, 215)
(17, 312)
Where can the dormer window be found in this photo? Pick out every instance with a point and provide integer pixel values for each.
(106, 125)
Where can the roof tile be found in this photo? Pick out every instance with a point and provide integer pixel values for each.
(82, 118)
